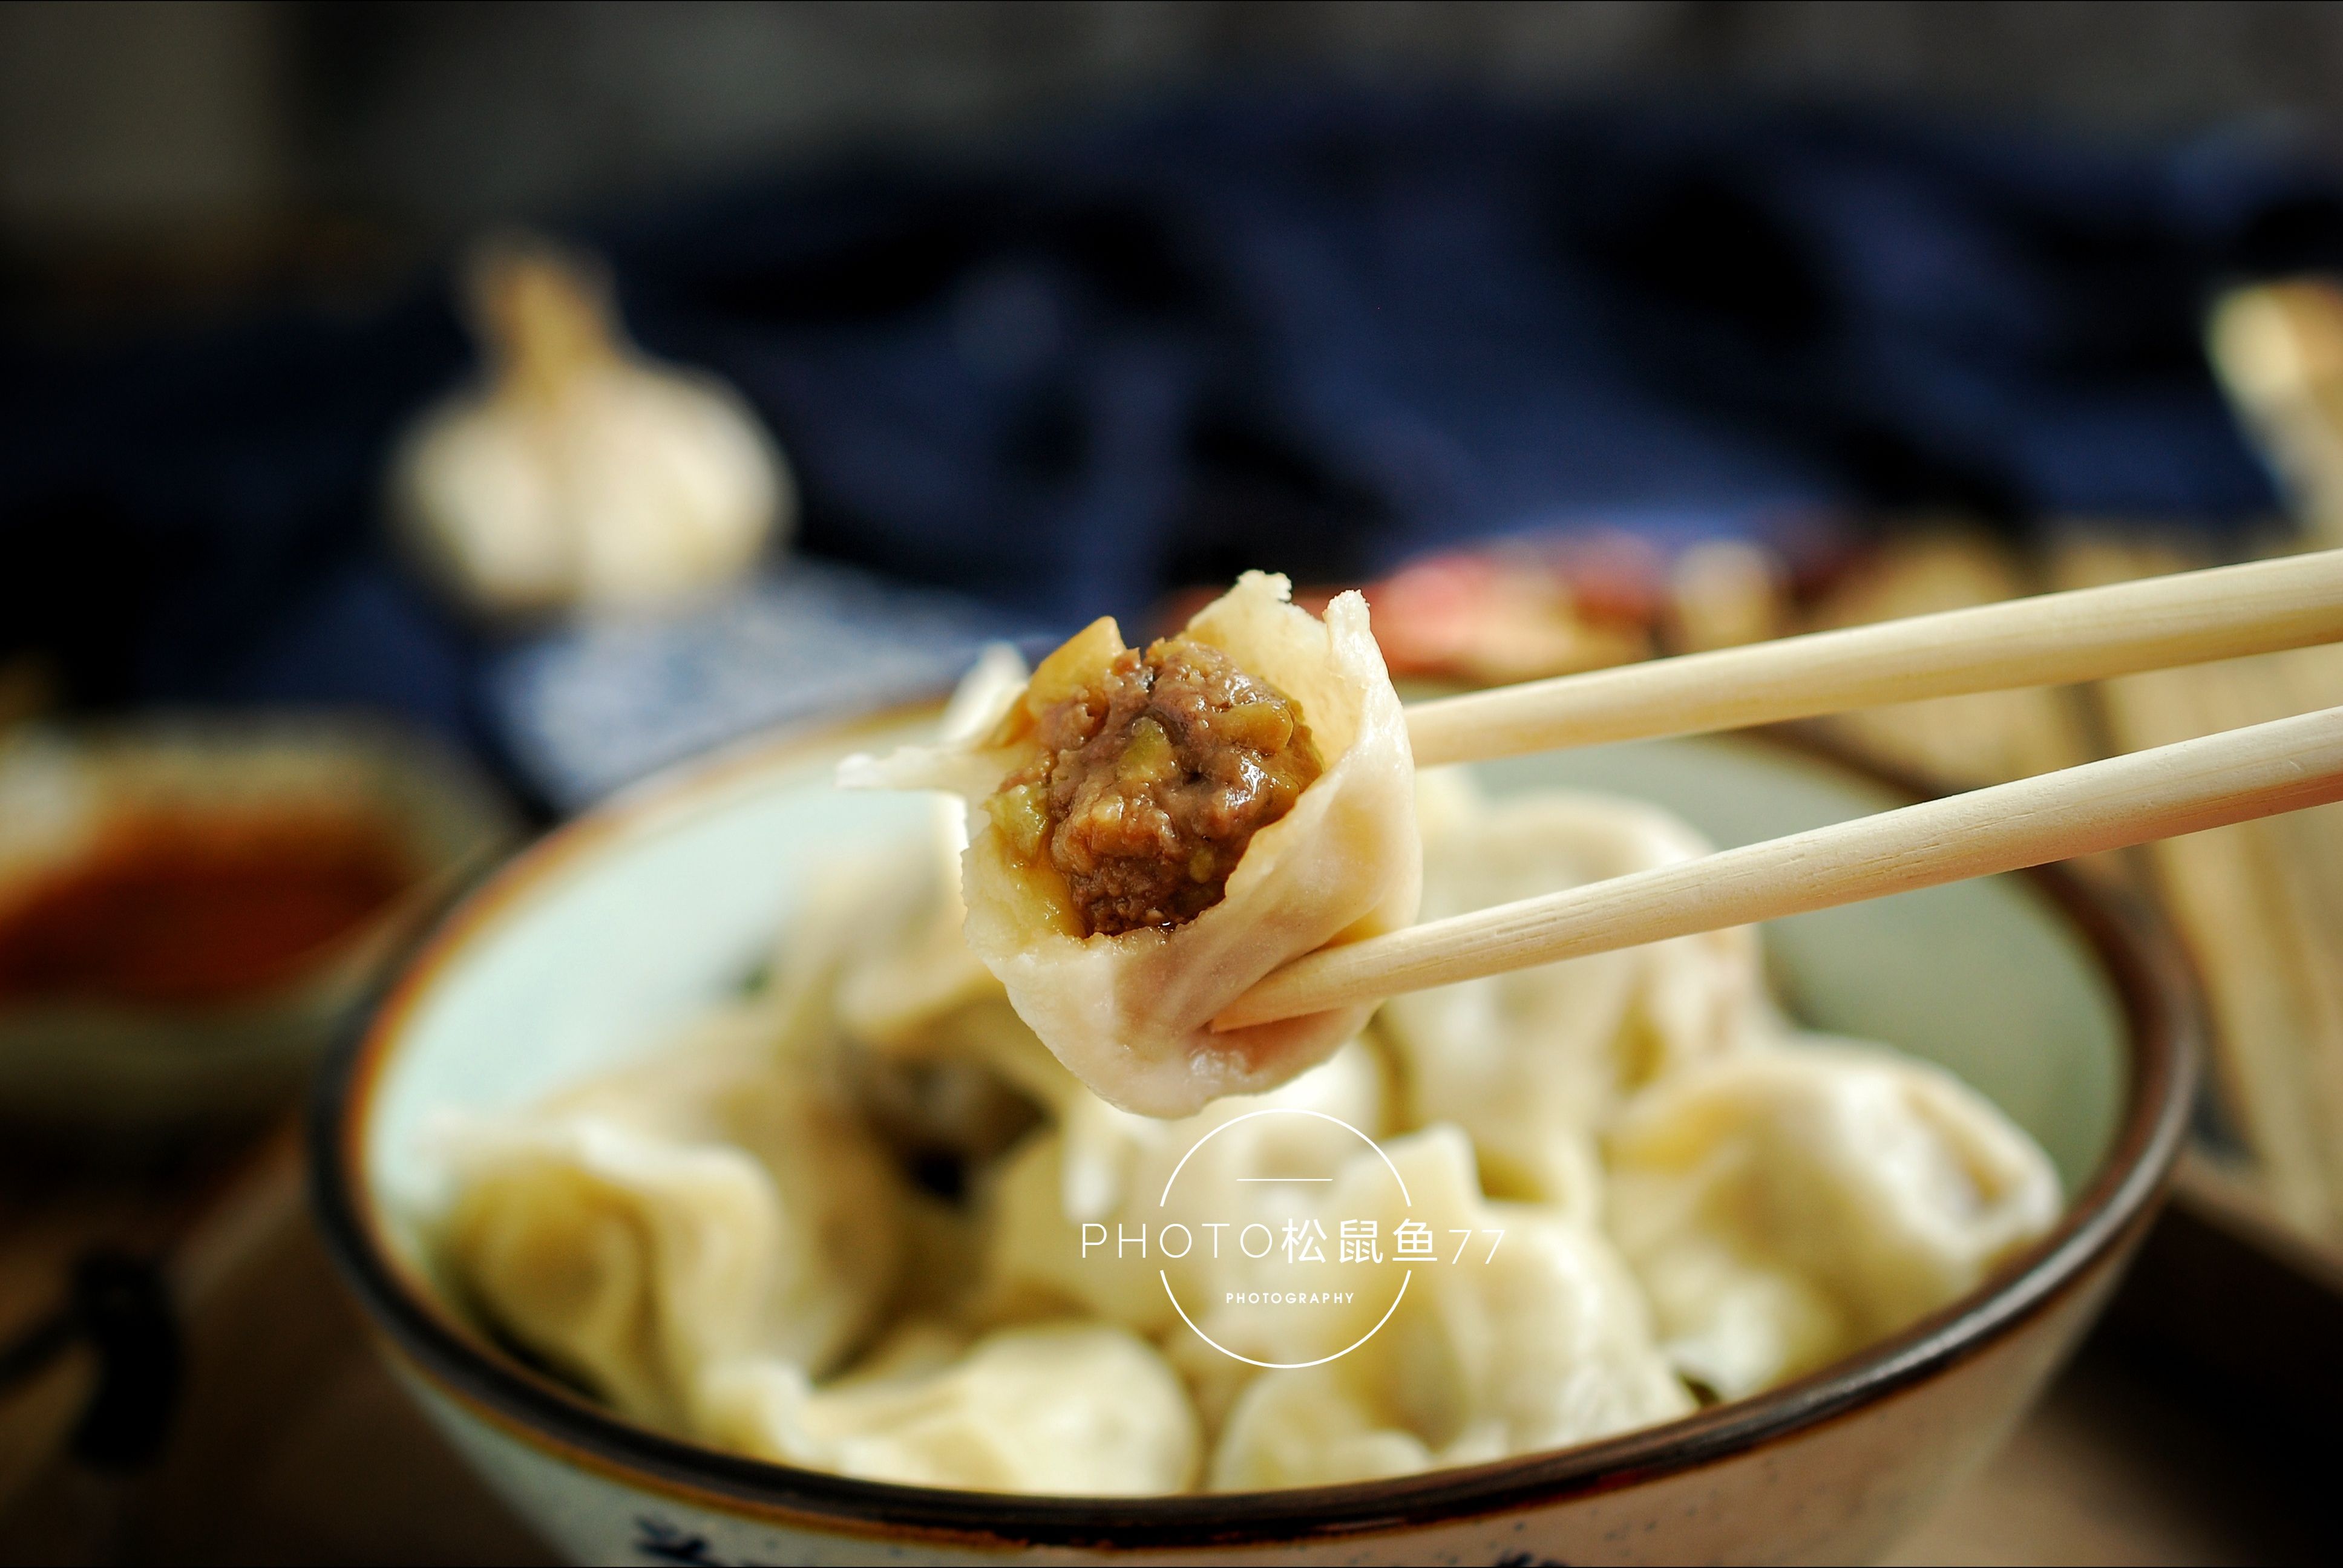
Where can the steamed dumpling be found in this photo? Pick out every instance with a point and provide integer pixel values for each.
(1102, 1175)
(1128, 1009)
(710, 1239)
(1077, 1409)
(626, 1261)
(1532, 1063)
(1536, 1337)
(700, 1207)
(876, 956)
(1786, 1207)
(910, 965)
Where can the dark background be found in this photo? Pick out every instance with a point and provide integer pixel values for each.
(187, 142)
(1315, 286)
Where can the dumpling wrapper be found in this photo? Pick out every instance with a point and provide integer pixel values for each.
(1785, 1206)
(1070, 1409)
(1129, 1014)
(1546, 1343)
(1109, 1169)
(676, 1215)
(1532, 1063)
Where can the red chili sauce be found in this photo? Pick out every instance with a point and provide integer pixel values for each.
(192, 908)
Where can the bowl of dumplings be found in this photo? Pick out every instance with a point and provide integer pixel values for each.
(760, 1169)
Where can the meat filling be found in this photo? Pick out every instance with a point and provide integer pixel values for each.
(1152, 781)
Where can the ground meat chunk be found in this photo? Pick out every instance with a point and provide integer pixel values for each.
(1152, 781)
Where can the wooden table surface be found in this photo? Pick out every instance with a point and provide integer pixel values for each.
(293, 1446)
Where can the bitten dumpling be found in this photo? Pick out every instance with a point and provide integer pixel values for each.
(1784, 1207)
(1081, 1410)
(1156, 829)
(673, 1217)
(1530, 1334)
(1532, 1063)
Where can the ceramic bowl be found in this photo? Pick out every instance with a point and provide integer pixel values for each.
(121, 1076)
(2064, 1008)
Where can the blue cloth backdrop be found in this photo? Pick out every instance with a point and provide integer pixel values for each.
(1315, 331)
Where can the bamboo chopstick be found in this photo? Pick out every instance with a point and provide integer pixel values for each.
(2049, 639)
(2259, 905)
(2232, 776)
(1979, 738)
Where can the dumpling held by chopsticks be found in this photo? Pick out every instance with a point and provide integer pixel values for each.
(1153, 831)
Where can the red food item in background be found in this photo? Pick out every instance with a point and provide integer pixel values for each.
(197, 907)
(1484, 618)
(1479, 618)
(1607, 574)
(1560, 600)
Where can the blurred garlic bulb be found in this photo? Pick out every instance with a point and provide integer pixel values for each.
(583, 473)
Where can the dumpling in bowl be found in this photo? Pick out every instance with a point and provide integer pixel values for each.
(1155, 830)
(1786, 1206)
(1078, 1409)
(675, 1216)
(1062, 1200)
(1533, 1062)
(1531, 1335)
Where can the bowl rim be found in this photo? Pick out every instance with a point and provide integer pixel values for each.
(2135, 949)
